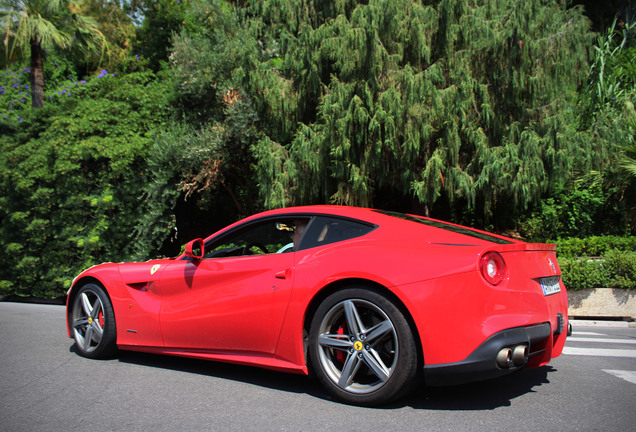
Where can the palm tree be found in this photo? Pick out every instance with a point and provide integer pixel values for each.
(40, 23)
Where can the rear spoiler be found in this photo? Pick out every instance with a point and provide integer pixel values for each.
(526, 247)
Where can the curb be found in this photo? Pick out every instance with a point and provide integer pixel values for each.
(18, 299)
(601, 323)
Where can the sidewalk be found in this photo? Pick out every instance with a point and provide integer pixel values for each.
(577, 322)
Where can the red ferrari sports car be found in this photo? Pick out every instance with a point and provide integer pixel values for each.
(369, 301)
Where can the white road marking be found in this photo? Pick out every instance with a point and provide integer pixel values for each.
(626, 375)
(598, 352)
(616, 341)
(587, 333)
(598, 338)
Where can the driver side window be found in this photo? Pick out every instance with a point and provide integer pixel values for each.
(260, 238)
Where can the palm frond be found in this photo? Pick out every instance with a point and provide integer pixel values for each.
(48, 33)
(629, 164)
(88, 35)
(43, 21)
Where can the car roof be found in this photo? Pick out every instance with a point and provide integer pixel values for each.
(388, 218)
(362, 213)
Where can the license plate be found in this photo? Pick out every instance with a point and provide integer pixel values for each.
(550, 285)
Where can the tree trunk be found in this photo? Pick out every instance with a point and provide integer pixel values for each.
(37, 74)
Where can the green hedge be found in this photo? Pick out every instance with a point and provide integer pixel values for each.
(598, 262)
(594, 246)
(72, 175)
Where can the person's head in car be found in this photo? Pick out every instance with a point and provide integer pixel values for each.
(298, 232)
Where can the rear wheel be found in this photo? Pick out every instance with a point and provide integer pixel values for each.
(93, 322)
(362, 348)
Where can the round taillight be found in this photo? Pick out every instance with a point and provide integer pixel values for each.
(492, 267)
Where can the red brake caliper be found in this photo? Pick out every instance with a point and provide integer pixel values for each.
(340, 355)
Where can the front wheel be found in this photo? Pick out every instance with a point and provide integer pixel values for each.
(362, 348)
(93, 322)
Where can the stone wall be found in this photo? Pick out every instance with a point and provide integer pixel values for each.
(602, 303)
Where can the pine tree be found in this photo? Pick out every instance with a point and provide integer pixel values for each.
(418, 105)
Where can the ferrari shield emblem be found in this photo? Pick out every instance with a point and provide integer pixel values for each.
(154, 268)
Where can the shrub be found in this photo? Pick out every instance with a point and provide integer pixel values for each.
(622, 267)
(71, 175)
(581, 273)
(613, 265)
(593, 206)
(593, 246)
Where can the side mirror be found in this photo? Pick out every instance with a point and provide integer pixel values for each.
(195, 249)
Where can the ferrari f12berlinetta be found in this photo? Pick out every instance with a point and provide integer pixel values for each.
(371, 302)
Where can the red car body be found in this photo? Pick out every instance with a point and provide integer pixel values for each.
(469, 297)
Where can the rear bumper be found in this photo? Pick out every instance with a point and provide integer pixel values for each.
(482, 364)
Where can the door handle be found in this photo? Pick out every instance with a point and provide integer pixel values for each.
(283, 274)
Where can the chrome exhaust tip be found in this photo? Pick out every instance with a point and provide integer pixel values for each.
(504, 358)
(520, 355)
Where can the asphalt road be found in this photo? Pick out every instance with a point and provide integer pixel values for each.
(46, 386)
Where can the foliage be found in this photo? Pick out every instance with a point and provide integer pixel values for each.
(14, 94)
(118, 30)
(15, 85)
(594, 246)
(71, 175)
(202, 166)
(587, 207)
(629, 160)
(58, 68)
(31, 25)
(162, 20)
(584, 273)
(598, 262)
(606, 111)
(616, 269)
(198, 175)
(175, 155)
(204, 60)
(502, 114)
(431, 107)
(612, 73)
(622, 266)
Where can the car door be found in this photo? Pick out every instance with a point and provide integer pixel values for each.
(225, 302)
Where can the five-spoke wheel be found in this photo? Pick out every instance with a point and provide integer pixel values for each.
(362, 348)
(93, 322)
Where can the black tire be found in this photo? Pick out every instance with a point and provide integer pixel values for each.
(372, 362)
(92, 322)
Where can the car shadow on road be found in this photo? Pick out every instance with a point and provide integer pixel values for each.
(484, 395)
(242, 373)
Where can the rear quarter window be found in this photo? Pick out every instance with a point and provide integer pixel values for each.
(448, 227)
(325, 230)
